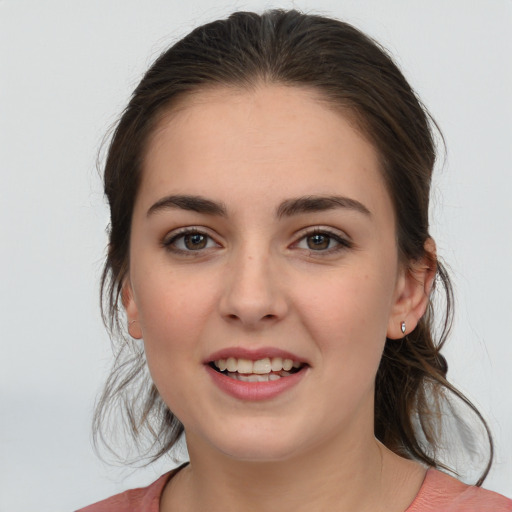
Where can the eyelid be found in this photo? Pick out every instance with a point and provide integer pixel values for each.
(343, 240)
(171, 237)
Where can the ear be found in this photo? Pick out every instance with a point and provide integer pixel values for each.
(412, 292)
(132, 312)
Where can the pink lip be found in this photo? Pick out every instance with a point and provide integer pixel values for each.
(252, 354)
(253, 391)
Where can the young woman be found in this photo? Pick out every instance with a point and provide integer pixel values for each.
(270, 257)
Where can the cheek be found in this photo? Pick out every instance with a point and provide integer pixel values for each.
(348, 317)
(173, 312)
(349, 303)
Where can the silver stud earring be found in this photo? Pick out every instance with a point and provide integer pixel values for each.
(402, 327)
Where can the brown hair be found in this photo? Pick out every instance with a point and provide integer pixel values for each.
(353, 73)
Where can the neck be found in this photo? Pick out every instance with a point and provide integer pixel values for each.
(351, 478)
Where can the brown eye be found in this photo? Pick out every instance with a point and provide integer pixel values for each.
(195, 241)
(189, 241)
(318, 242)
(323, 242)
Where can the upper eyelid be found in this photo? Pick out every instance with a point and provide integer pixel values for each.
(175, 234)
(340, 237)
(319, 229)
(298, 235)
(185, 230)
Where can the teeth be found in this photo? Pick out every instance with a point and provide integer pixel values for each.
(277, 364)
(244, 366)
(260, 367)
(254, 377)
(287, 364)
(231, 364)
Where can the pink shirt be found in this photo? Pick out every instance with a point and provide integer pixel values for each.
(438, 493)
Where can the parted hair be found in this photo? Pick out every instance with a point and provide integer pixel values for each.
(354, 74)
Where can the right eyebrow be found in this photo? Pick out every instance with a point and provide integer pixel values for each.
(192, 203)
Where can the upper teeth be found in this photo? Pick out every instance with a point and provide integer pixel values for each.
(261, 366)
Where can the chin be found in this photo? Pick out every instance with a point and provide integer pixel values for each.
(259, 445)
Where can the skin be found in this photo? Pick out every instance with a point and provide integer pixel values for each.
(260, 281)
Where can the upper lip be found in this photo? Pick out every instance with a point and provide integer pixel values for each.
(253, 354)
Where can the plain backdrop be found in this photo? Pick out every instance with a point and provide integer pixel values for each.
(67, 70)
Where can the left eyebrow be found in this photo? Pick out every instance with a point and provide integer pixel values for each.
(308, 204)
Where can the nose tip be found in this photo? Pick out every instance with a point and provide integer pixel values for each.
(253, 295)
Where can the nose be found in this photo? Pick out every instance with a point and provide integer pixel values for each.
(252, 293)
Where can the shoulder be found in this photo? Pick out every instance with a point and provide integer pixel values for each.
(143, 499)
(443, 493)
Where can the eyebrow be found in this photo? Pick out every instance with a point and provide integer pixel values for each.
(309, 204)
(288, 208)
(192, 203)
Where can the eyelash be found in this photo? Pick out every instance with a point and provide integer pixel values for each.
(342, 243)
(170, 244)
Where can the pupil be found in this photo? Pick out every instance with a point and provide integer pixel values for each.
(318, 242)
(195, 241)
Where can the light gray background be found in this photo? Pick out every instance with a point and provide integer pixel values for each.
(66, 71)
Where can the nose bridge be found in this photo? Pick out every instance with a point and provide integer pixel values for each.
(252, 293)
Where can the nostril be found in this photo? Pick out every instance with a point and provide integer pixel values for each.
(233, 316)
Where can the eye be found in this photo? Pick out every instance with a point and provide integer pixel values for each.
(189, 241)
(323, 241)
(318, 241)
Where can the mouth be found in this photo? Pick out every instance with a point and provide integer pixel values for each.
(261, 370)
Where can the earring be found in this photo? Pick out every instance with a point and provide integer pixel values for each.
(402, 327)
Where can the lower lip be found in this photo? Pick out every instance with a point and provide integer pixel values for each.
(254, 391)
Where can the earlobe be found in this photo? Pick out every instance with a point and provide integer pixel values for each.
(132, 312)
(413, 293)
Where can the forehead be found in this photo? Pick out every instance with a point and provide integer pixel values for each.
(272, 139)
(257, 109)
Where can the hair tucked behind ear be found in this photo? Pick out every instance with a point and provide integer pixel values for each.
(411, 388)
(355, 75)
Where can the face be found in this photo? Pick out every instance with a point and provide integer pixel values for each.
(264, 274)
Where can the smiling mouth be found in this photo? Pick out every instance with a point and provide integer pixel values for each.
(262, 370)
